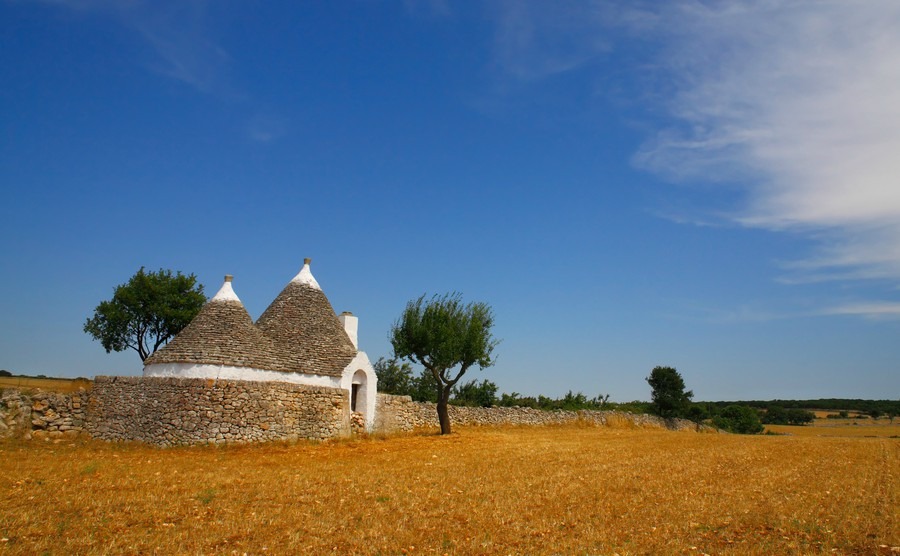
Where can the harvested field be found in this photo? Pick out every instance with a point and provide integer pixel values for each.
(573, 489)
(853, 428)
(63, 385)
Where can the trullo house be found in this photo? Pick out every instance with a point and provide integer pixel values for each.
(297, 339)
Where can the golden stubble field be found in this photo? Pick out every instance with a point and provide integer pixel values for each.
(842, 427)
(574, 489)
(50, 384)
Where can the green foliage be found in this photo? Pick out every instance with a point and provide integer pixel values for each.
(667, 391)
(636, 407)
(424, 387)
(4, 372)
(740, 419)
(777, 415)
(828, 404)
(697, 413)
(394, 377)
(146, 312)
(797, 416)
(443, 334)
(475, 394)
(571, 401)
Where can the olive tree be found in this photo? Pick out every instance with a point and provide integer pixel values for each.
(146, 312)
(667, 390)
(447, 337)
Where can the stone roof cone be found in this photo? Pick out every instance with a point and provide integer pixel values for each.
(222, 333)
(306, 332)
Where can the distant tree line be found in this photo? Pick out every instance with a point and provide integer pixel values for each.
(9, 374)
(397, 377)
(670, 400)
(842, 406)
(826, 404)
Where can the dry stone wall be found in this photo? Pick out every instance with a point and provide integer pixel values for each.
(41, 414)
(175, 411)
(400, 413)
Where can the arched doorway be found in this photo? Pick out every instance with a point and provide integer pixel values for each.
(359, 393)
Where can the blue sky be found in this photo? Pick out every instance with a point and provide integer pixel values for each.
(707, 185)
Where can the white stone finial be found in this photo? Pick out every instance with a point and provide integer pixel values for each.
(305, 276)
(226, 292)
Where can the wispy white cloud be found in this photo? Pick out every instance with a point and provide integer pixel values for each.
(186, 54)
(749, 313)
(872, 310)
(176, 32)
(795, 101)
(792, 101)
(180, 37)
(790, 104)
(264, 128)
(535, 40)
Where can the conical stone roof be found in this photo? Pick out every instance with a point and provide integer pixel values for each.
(222, 333)
(306, 332)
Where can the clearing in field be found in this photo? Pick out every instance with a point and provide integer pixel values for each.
(571, 489)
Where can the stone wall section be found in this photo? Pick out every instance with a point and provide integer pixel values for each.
(41, 414)
(401, 414)
(177, 411)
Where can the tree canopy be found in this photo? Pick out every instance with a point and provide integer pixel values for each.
(447, 337)
(740, 419)
(146, 312)
(669, 398)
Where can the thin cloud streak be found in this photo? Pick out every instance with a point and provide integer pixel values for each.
(795, 100)
(872, 310)
(536, 40)
(177, 34)
(792, 101)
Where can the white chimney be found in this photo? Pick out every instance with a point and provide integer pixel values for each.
(351, 326)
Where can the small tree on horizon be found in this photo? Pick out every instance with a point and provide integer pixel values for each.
(146, 312)
(443, 334)
(667, 392)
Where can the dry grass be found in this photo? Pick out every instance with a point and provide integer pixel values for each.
(570, 489)
(63, 385)
(852, 428)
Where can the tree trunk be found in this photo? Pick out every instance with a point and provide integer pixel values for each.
(443, 413)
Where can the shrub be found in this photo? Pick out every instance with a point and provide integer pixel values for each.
(800, 416)
(740, 419)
